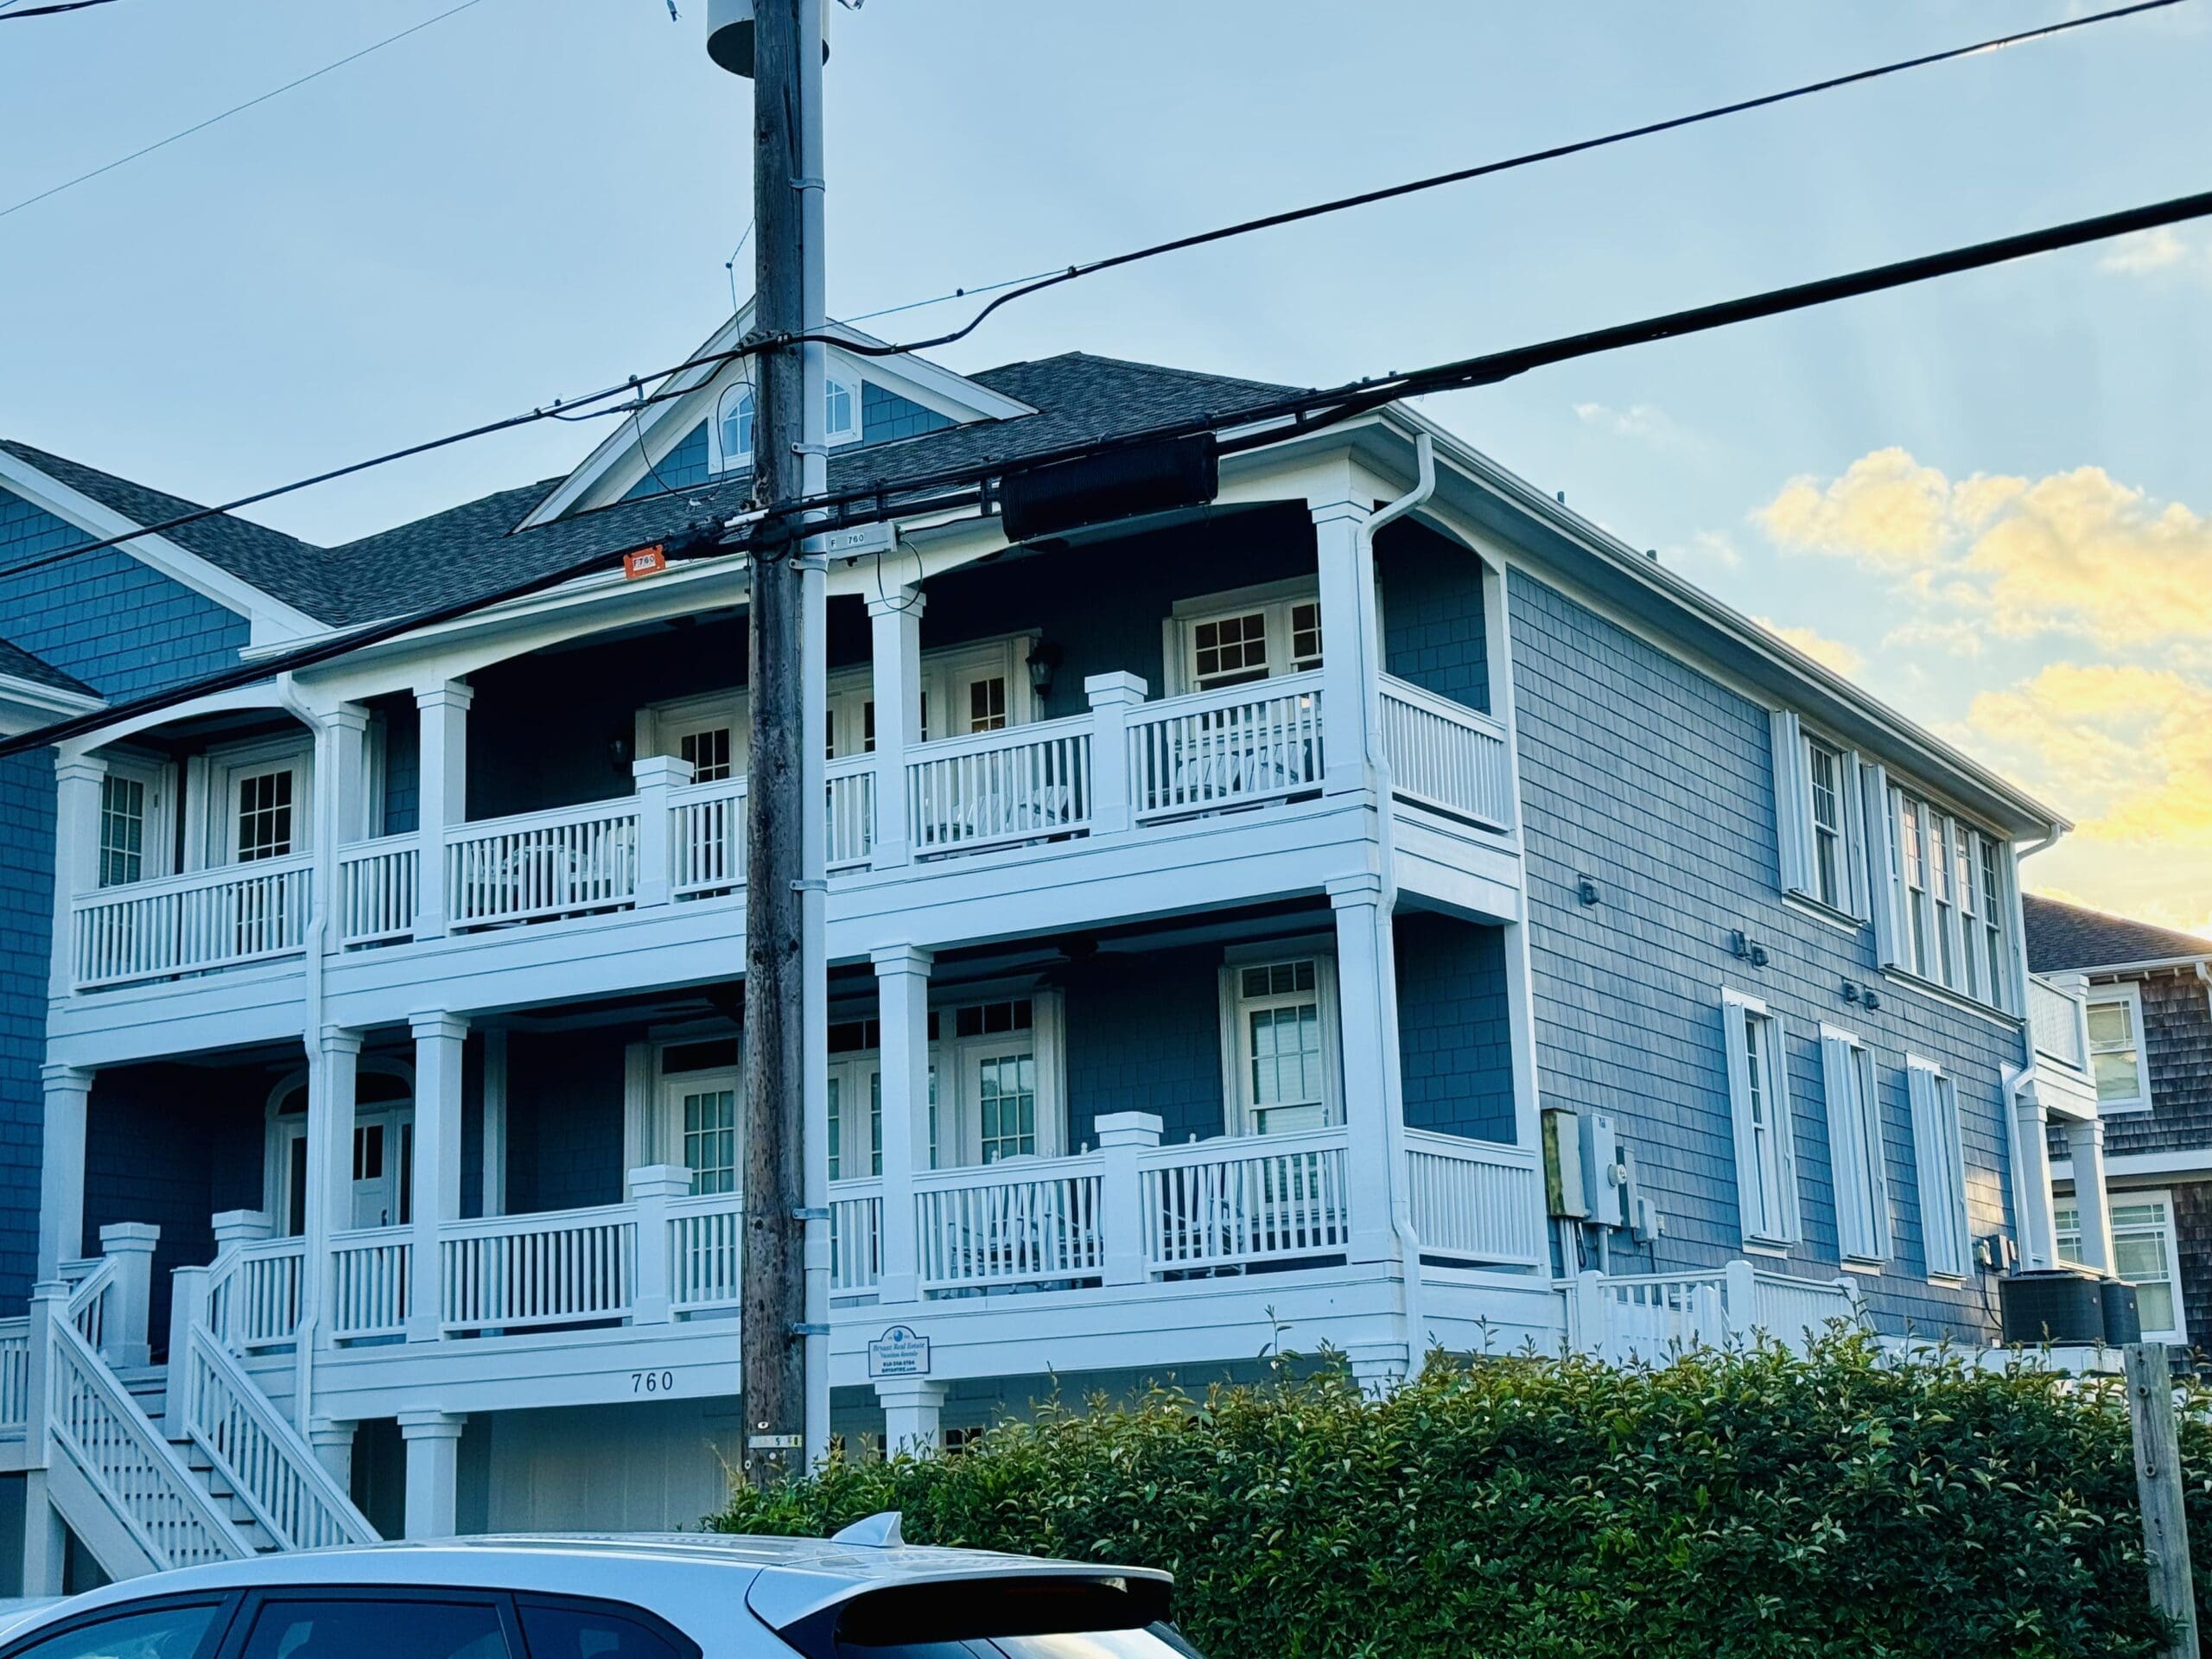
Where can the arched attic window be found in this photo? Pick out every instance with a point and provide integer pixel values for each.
(733, 422)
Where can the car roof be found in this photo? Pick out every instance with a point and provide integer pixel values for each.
(687, 1578)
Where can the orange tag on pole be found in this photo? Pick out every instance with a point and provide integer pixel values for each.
(645, 561)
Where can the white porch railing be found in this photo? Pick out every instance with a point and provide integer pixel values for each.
(1026, 1222)
(253, 1294)
(855, 1236)
(15, 1374)
(708, 823)
(538, 865)
(1226, 1203)
(1649, 1319)
(370, 1270)
(996, 789)
(1228, 747)
(1476, 1200)
(851, 810)
(1446, 755)
(706, 1236)
(570, 1266)
(377, 889)
(185, 923)
(2058, 1020)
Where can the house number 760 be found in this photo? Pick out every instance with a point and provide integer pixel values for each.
(652, 1382)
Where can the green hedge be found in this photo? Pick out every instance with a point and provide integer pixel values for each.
(1744, 1504)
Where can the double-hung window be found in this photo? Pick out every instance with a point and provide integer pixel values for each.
(123, 831)
(1939, 1156)
(1278, 1014)
(2116, 1051)
(1815, 796)
(1855, 1147)
(1941, 911)
(1831, 868)
(2143, 1253)
(1759, 1098)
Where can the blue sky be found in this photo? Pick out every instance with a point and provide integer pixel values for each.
(1987, 498)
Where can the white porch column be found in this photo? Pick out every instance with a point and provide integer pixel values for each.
(333, 1440)
(2085, 1142)
(440, 1041)
(2036, 1224)
(651, 1186)
(433, 1441)
(78, 780)
(333, 1071)
(656, 774)
(902, 988)
(1367, 1001)
(62, 1167)
(444, 764)
(896, 623)
(1112, 697)
(1346, 569)
(1121, 1137)
(124, 1337)
(345, 773)
(913, 1410)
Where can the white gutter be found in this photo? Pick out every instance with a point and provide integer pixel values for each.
(1386, 857)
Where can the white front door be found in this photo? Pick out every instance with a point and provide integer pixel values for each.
(383, 1152)
(700, 1113)
(855, 1119)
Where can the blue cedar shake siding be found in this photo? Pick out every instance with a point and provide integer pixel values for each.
(1655, 781)
(564, 1119)
(885, 417)
(122, 628)
(1432, 606)
(1455, 1051)
(1144, 1035)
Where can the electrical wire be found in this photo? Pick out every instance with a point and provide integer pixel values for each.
(7, 17)
(235, 109)
(582, 408)
(1249, 427)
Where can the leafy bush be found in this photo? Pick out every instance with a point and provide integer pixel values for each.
(1740, 1504)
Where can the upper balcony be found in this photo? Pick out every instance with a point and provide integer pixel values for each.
(470, 827)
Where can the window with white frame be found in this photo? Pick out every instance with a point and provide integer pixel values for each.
(1759, 1096)
(1003, 1098)
(855, 1098)
(1253, 634)
(1816, 814)
(122, 829)
(1946, 879)
(1939, 1157)
(1831, 865)
(733, 422)
(1855, 1147)
(2143, 1254)
(841, 404)
(2117, 1056)
(1279, 1012)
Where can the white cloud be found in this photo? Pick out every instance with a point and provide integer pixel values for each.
(2161, 249)
(1953, 639)
(1644, 422)
(1832, 654)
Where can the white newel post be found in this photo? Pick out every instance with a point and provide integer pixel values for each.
(1739, 1296)
(333, 1440)
(1112, 697)
(656, 775)
(652, 1186)
(443, 792)
(1121, 1136)
(341, 783)
(123, 1333)
(62, 1167)
(902, 985)
(78, 781)
(187, 1313)
(1589, 1331)
(895, 621)
(441, 1040)
(1367, 999)
(333, 1071)
(46, 1541)
(2085, 1142)
(433, 1442)
(1346, 569)
(913, 1406)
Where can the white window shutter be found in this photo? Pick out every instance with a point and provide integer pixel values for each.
(1793, 803)
(1883, 877)
(1857, 832)
(1862, 1225)
(1748, 1203)
(1937, 1170)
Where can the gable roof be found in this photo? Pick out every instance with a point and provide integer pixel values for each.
(16, 663)
(2063, 936)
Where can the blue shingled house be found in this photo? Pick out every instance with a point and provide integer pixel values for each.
(1374, 908)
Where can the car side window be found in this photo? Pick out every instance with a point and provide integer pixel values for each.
(381, 1627)
(580, 1631)
(172, 1632)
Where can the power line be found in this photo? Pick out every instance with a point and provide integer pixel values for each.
(235, 109)
(1263, 423)
(582, 408)
(8, 16)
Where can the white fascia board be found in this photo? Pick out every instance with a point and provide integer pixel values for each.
(2143, 1165)
(25, 705)
(268, 614)
(2123, 969)
(1645, 586)
(915, 378)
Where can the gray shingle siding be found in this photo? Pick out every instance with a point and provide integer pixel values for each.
(1655, 781)
(681, 468)
(1455, 1047)
(885, 417)
(2177, 1039)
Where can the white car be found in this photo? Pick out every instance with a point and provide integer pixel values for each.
(860, 1595)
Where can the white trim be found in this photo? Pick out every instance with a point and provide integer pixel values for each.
(2130, 992)
(208, 580)
(1850, 1088)
(25, 705)
(1939, 1170)
(2136, 1166)
(1273, 599)
(1776, 1223)
(1237, 1108)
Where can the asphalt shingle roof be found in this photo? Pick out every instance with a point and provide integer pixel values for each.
(474, 548)
(2063, 936)
(17, 663)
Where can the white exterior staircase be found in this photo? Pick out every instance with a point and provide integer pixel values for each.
(222, 1475)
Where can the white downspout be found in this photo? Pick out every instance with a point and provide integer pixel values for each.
(1386, 855)
(2038, 1241)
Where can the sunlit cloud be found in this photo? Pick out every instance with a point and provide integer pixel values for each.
(1642, 422)
(2163, 250)
(1832, 653)
(1953, 639)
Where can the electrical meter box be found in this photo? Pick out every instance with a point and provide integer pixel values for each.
(1601, 1160)
(1565, 1194)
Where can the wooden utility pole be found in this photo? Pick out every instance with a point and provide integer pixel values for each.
(2158, 1488)
(774, 1315)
